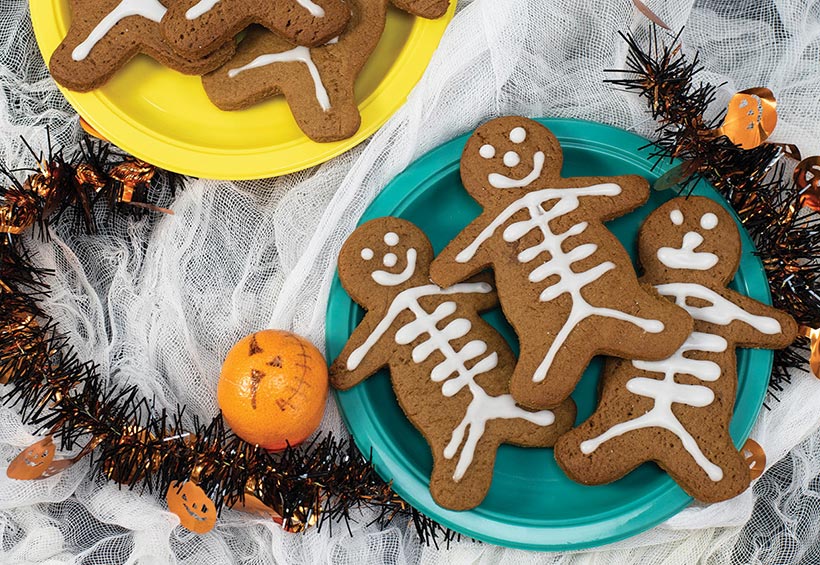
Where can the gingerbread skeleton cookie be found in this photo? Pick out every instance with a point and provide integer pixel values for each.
(317, 82)
(677, 411)
(105, 34)
(198, 27)
(450, 369)
(565, 283)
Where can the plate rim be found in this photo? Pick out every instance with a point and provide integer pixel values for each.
(668, 495)
(160, 148)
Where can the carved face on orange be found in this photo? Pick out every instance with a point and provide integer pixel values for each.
(193, 507)
(33, 461)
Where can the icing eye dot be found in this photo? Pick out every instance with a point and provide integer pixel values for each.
(487, 151)
(511, 159)
(677, 217)
(367, 254)
(390, 260)
(708, 221)
(517, 135)
(391, 239)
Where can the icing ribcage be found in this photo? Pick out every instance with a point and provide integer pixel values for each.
(452, 369)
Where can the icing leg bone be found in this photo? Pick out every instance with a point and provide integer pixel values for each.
(450, 369)
(677, 411)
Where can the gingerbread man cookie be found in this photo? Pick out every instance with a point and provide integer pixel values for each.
(565, 282)
(450, 369)
(198, 27)
(105, 34)
(317, 82)
(677, 411)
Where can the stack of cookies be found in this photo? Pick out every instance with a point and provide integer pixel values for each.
(246, 50)
(570, 290)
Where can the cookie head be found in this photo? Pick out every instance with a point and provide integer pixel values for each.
(384, 257)
(690, 239)
(509, 153)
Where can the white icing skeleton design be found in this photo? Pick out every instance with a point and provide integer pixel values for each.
(150, 9)
(452, 371)
(560, 262)
(667, 392)
(298, 54)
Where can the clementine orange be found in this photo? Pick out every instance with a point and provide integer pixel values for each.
(273, 388)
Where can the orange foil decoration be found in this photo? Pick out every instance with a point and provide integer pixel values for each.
(807, 177)
(750, 117)
(814, 357)
(755, 456)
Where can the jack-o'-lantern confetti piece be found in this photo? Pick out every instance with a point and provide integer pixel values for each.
(652, 16)
(790, 150)
(33, 461)
(750, 117)
(755, 457)
(189, 502)
(807, 178)
(814, 358)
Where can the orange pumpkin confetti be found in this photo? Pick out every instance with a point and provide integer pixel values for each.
(273, 389)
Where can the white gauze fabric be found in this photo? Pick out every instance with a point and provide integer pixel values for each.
(159, 302)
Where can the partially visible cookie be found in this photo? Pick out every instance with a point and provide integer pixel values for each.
(105, 34)
(677, 411)
(317, 82)
(198, 27)
(449, 368)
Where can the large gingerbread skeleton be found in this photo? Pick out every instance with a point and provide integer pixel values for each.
(677, 411)
(450, 369)
(565, 283)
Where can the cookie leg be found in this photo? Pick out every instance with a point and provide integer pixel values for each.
(325, 111)
(559, 382)
(718, 447)
(454, 490)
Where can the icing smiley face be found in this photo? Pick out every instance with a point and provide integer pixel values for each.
(699, 238)
(390, 260)
(393, 255)
(509, 153)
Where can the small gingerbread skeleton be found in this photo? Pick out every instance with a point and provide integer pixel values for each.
(677, 411)
(450, 369)
(317, 82)
(565, 283)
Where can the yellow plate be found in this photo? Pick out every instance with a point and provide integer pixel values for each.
(165, 118)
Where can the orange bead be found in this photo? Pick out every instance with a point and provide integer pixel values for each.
(273, 389)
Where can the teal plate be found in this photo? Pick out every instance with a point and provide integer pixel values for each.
(531, 503)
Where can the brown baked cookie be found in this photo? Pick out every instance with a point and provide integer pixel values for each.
(450, 369)
(105, 34)
(565, 282)
(677, 411)
(317, 82)
(198, 27)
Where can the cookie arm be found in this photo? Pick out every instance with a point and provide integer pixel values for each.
(368, 357)
(456, 262)
(634, 193)
(762, 335)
